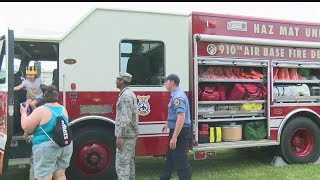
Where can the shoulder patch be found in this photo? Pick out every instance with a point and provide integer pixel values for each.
(176, 102)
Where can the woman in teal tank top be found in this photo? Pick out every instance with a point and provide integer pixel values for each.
(49, 160)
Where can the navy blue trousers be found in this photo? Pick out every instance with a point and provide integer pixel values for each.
(177, 159)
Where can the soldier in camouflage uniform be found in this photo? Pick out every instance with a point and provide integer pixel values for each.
(126, 129)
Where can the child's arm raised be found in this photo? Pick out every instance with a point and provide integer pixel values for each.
(17, 88)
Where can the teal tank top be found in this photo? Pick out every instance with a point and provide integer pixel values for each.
(39, 136)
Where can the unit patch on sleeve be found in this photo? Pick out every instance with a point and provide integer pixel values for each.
(176, 102)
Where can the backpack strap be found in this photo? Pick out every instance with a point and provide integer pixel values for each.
(56, 118)
(48, 136)
(53, 111)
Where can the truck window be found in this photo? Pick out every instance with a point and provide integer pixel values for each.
(3, 65)
(144, 60)
(16, 65)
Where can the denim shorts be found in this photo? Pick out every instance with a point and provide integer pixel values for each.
(48, 157)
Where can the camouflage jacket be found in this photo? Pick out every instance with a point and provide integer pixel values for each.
(127, 117)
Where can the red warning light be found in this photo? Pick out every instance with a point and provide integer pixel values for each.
(73, 86)
(211, 24)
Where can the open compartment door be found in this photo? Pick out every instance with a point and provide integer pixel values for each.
(6, 96)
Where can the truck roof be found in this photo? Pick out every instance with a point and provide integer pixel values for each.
(46, 35)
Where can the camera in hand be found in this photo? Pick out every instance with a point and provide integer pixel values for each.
(24, 104)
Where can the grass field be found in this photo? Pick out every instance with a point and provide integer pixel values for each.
(234, 164)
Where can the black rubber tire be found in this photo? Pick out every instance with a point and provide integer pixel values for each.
(88, 134)
(286, 141)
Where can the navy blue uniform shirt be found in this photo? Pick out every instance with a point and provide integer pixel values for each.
(178, 103)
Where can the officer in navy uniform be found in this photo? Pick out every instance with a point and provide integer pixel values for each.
(179, 123)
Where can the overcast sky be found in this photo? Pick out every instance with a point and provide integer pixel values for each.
(59, 17)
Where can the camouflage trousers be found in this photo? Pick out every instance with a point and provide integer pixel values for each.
(125, 166)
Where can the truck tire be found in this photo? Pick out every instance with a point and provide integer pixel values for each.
(93, 154)
(300, 141)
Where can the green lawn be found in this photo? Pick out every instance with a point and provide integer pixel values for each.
(237, 164)
(234, 164)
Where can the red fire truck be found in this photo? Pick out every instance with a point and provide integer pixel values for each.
(251, 82)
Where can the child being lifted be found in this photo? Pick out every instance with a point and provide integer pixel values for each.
(32, 85)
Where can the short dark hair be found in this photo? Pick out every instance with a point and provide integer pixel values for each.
(51, 94)
(173, 77)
